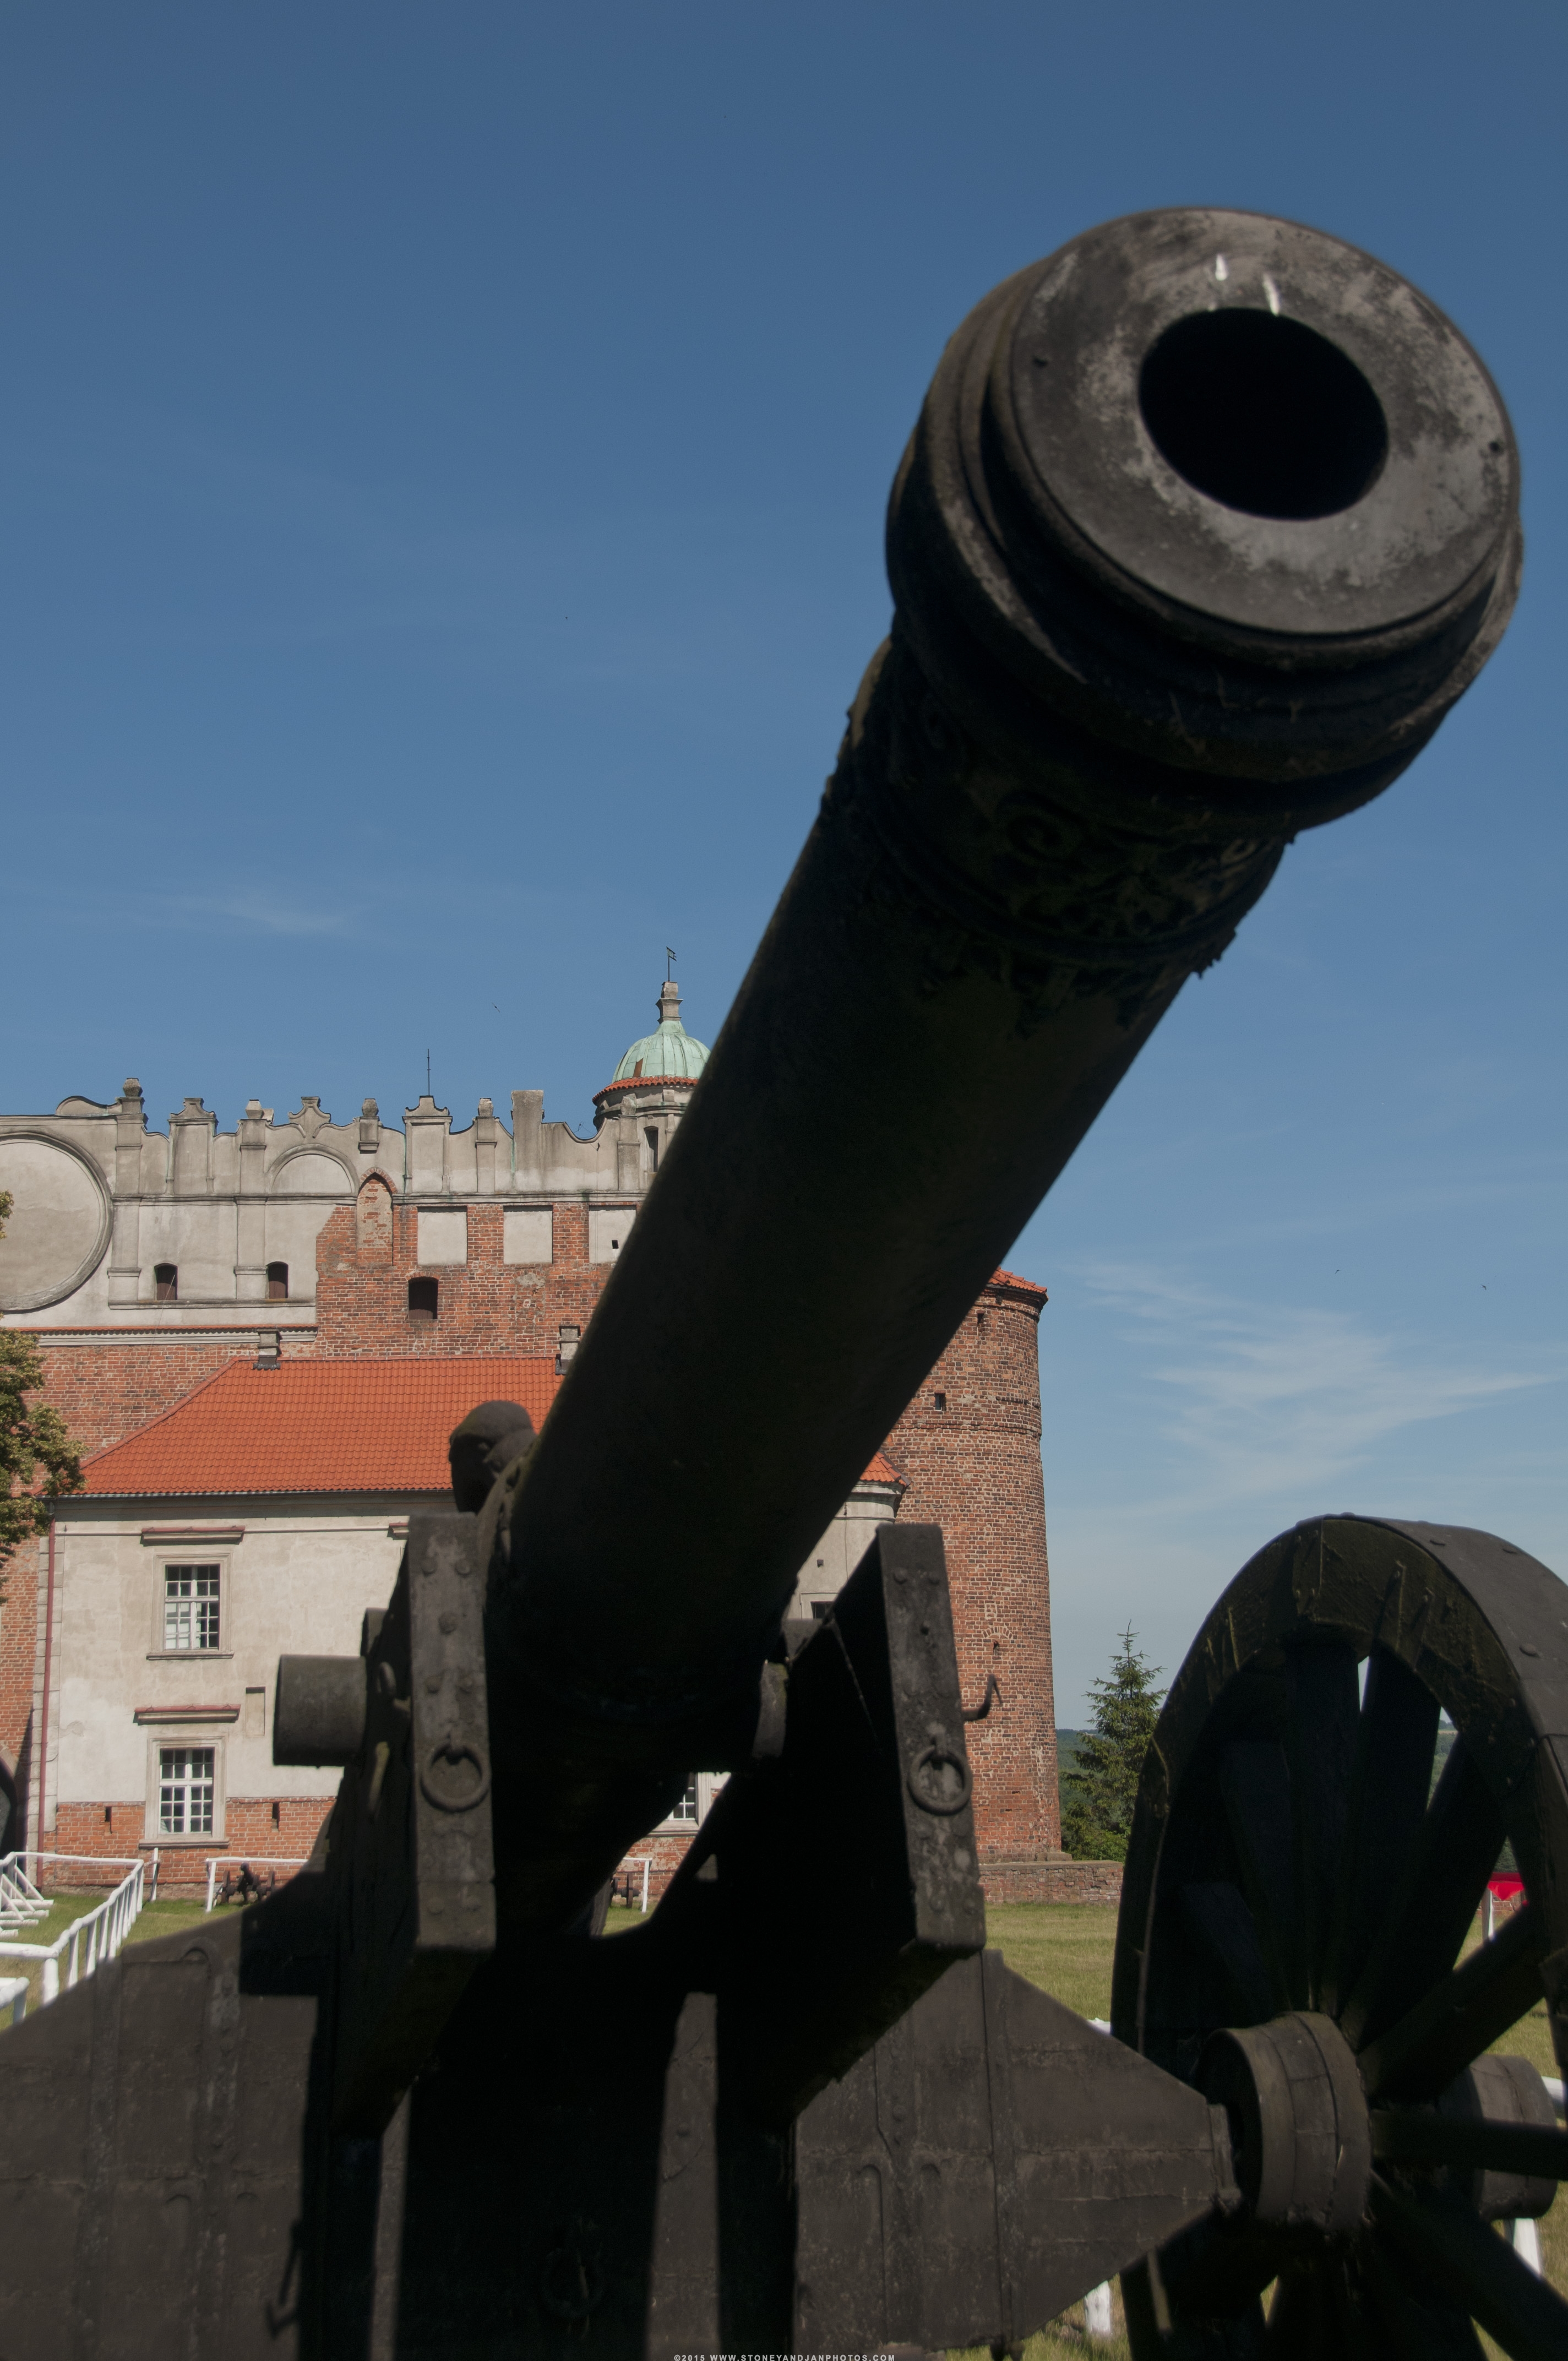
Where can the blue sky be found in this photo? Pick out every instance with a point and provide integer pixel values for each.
(442, 463)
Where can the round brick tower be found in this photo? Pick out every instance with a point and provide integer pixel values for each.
(968, 1448)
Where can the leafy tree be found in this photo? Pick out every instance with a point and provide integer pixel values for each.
(38, 1462)
(1100, 1788)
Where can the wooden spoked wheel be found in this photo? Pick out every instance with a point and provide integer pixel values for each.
(1297, 1895)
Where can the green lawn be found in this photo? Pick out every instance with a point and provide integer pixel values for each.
(158, 1918)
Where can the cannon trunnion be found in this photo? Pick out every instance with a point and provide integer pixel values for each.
(1207, 520)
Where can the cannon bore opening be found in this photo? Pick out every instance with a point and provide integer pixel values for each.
(1263, 414)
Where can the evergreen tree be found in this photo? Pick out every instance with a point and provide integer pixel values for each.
(1099, 1790)
(34, 1444)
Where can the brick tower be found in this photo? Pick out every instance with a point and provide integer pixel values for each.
(968, 1448)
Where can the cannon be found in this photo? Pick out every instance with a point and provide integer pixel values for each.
(1207, 520)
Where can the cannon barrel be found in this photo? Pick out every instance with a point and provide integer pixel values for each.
(1207, 520)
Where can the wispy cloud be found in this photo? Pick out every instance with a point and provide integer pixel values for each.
(258, 913)
(1274, 1398)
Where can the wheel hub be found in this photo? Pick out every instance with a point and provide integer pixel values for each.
(1299, 2128)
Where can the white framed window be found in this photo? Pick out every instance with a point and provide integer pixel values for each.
(187, 1790)
(192, 1618)
(702, 1792)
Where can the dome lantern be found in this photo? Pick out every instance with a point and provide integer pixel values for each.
(658, 1072)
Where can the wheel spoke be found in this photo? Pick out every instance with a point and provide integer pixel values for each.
(1526, 2151)
(1322, 1716)
(1255, 1786)
(1299, 2318)
(1222, 1927)
(1461, 2017)
(1390, 1783)
(1414, 2326)
(1436, 1898)
(1314, 2313)
(1470, 2264)
(1161, 2320)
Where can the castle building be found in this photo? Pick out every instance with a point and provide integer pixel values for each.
(261, 1339)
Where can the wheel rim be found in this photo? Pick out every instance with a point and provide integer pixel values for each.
(1286, 1868)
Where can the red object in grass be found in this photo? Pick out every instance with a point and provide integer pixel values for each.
(1504, 1889)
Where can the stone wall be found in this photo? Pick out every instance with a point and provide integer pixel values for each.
(1052, 1881)
(1001, 1880)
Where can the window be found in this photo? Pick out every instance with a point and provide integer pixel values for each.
(191, 1608)
(940, 1400)
(651, 1136)
(276, 1282)
(424, 1298)
(691, 1808)
(166, 1283)
(820, 1609)
(186, 1784)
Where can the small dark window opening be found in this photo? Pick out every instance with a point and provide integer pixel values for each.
(941, 1401)
(166, 1283)
(651, 1136)
(980, 1322)
(276, 1282)
(424, 1298)
(820, 1609)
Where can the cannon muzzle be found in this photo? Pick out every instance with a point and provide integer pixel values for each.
(1207, 520)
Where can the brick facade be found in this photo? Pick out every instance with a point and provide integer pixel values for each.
(486, 1305)
(257, 1828)
(967, 1447)
(106, 1391)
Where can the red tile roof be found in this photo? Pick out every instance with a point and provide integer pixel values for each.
(326, 1426)
(1011, 1279)
(317, 1426)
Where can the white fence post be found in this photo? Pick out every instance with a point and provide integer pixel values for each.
(1097, 2312)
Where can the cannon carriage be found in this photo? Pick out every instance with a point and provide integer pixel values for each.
(1207, 520)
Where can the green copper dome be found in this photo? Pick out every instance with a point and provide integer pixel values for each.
(671, 1050)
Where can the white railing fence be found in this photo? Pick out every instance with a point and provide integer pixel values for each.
(255, 1861)
(21, 1904)
(98, 1934)
(13, 1997)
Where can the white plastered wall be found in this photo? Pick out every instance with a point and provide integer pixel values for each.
(298, 1583)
